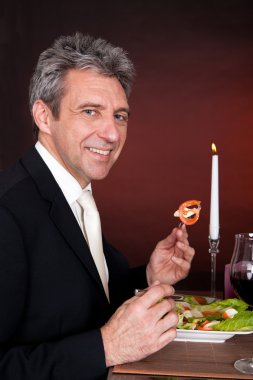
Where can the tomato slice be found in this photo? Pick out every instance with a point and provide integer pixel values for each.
(204, 323)
(204, 328)
(200, 300)
(189, 211)
(212, 313)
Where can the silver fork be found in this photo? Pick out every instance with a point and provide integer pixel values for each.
(140, 292)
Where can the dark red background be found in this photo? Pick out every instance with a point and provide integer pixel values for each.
(194, 86)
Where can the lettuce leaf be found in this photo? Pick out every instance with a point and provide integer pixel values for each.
(220, 305)
(237, 304)
(194, 300)
(243, 321)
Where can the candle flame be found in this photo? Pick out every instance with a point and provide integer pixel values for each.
(214, 149)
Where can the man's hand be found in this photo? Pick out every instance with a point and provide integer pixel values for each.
(171, 260)
(140, 326)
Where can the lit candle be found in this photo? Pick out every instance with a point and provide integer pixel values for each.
(214, 205)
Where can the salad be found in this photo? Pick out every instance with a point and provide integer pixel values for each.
(195, 313)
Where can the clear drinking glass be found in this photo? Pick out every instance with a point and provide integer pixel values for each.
(241, 277)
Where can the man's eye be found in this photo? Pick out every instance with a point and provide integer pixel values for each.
(120, 117)
(90, 112)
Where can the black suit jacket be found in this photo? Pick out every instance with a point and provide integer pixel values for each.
(52, 302)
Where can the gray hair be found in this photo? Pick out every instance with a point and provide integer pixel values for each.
(78, 52)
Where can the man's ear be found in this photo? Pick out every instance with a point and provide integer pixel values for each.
(42, 116)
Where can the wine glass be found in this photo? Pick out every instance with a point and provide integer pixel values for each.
(241, 277)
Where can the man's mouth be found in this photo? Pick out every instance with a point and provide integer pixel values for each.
(99, 151)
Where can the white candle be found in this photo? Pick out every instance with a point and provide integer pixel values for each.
(214, 204)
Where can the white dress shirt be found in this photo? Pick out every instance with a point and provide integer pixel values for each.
(67, 183)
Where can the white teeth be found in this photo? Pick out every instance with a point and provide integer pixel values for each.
(103, 152)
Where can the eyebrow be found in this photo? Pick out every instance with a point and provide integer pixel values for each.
(99, 106)
(124, 109)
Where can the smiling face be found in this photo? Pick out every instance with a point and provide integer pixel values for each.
(91, 129)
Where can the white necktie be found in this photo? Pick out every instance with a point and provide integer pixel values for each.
(91, 227)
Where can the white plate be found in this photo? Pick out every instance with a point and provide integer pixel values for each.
(207, 336)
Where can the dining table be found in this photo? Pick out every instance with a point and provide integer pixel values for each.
(190, 359)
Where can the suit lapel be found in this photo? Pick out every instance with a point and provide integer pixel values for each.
(60, 212)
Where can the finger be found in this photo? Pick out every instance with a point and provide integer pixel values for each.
(177, 234)
(171, 239)
(161, 308)
(156, 282)
(140, 292)
(187, 251)
(167, 337)
(168, 332)
(183, 264)
(184, 229)
(169, 321)
(154, 294)
(182, 235)
(181, 231)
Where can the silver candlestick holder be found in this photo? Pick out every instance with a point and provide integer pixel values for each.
(213, 250)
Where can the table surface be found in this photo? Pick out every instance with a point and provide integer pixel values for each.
(190, 360)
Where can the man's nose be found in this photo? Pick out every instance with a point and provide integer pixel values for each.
(109, 130)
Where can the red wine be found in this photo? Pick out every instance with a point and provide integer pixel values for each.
(243, 289)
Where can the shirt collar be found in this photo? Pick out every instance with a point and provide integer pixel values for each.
(67, 183)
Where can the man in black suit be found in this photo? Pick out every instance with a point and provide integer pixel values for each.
(56, 321)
